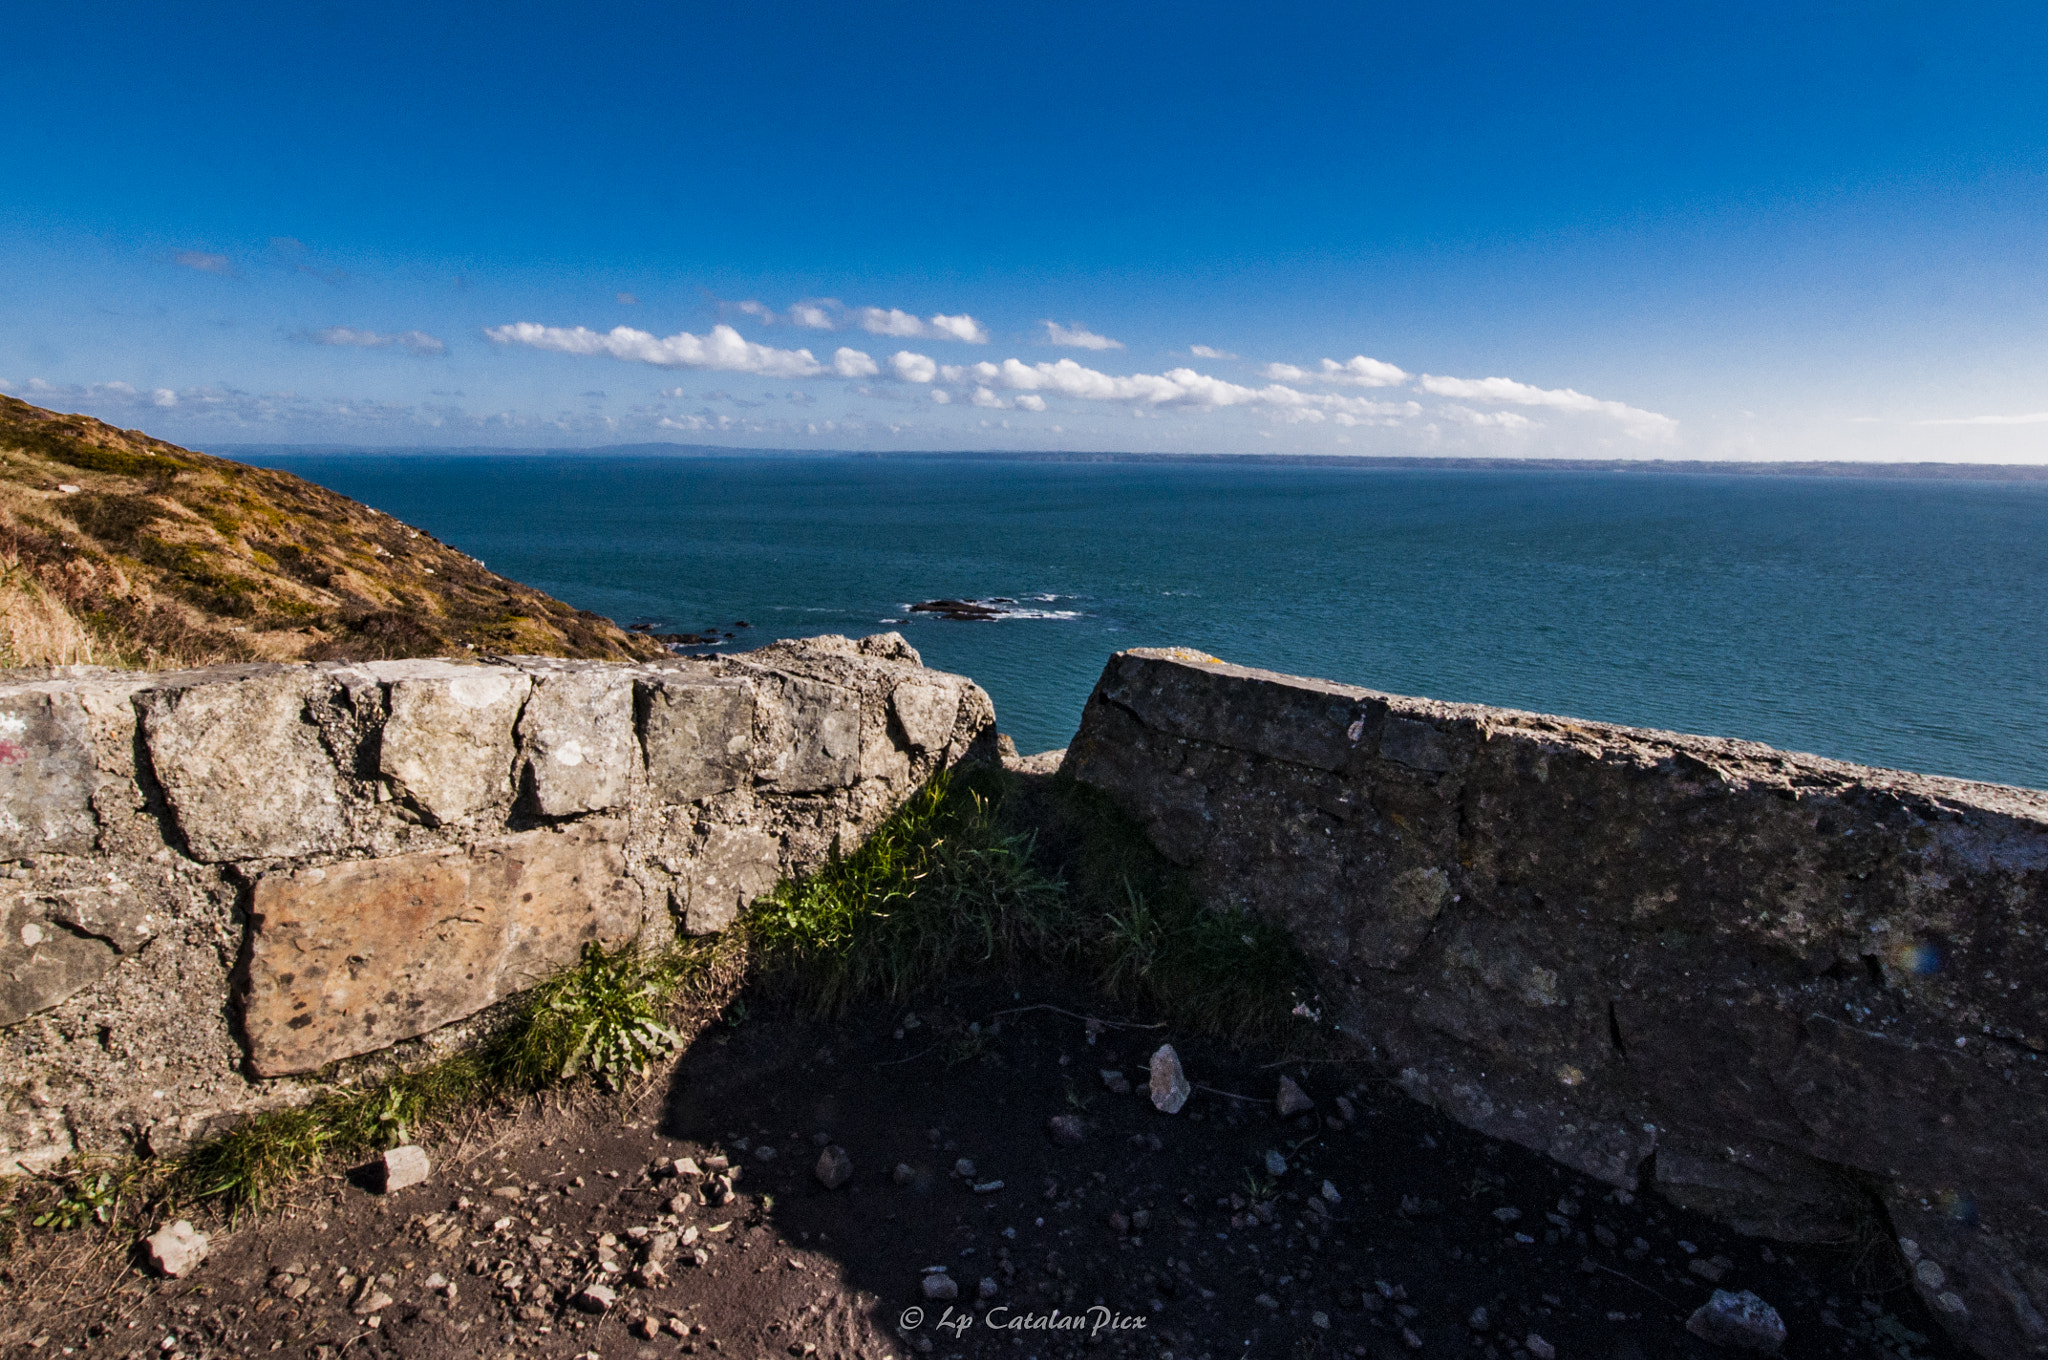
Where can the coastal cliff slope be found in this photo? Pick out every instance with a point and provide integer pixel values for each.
(122, 550)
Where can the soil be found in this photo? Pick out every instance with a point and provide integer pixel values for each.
(1157, 1235)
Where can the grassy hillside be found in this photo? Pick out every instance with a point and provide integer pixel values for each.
(117, 549)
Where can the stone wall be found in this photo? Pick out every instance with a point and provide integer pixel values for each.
(214, 883)
(1803, 996)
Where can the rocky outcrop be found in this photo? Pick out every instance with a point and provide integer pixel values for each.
(215, 882)
(1801, 995)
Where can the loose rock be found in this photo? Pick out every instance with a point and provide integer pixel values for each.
(1276, 1165)
(596, 1298)
(1066, 1129)
(402, 1167)
(1742, 1320)
(1117, 1082)
(1170, 1086)
(1539, 1348)
(940, 1287)
(177, 1250)
(904, 1174)
(1291, 1100)
(835, 1167)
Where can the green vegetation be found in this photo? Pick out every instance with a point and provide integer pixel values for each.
(939, 886)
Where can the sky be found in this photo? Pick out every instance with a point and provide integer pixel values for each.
(1780, 231)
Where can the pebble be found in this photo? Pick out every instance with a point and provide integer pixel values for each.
(596, 1298)
(1330, 1193)
(964, 1169)
(176, 1249)
(835, 1167)
(1539, 1348)
(644, 1328)
(1276, 1165)
(987, 1187)
(904, 1174)
(1742, 1321)
(764, 1153)
(1170, 1086)
(989, 1287)
(686, 1166)
(402, 1167)
(1067, 1129)
(1479, 1321)
(1117, 1082)
(1291, 1100)
(940, 1288)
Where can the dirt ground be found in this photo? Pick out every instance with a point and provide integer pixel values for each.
(1389, 1231)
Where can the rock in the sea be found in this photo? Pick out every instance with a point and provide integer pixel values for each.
(402, 1167)
(175, 1250)
(1066, 1129)
(834, 1168)
(1170, 1087)
(1291, 1100)
(1742, 1321)
(940, 1286)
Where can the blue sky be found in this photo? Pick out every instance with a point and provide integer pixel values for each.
(1777, 231)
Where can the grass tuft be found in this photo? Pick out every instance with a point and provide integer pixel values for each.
(939, 886)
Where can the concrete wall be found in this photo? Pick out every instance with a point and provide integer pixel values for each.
(213, 883)
(1769, 986)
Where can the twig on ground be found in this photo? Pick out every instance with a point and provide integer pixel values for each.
(1231, 1095)
(1073, 1015)
(1637, 1283)
(897, 1062)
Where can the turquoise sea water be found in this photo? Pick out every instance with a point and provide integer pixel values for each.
(1897, 623)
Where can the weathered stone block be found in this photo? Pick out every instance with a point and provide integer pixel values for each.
(813, 740)
(577, 734)
(56, 942)
(698, 733)
(354, 957)
(448, 741)
(925, 713)
(242, 764)
(733, 865)
(46, 776)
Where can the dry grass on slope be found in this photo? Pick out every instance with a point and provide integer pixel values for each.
(117, 549)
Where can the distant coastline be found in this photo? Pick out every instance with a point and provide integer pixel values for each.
(1953, 472)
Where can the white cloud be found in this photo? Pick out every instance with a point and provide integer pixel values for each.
(724, 350)
(1206, 352)
(989, 401)
(1500, 420)
(942, 396)
(203, 261)
(901, 324)
(1078, 336)
(759, 310)
(1358, 371)
(1506, 391)
(1142, 391)
(417, 342)
(814, 315)
(913, 367)
(1031, 401)
(2036, 418)
(851, 363)
(875, 321)
(962, 327)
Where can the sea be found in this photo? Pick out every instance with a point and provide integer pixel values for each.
(1900, 623)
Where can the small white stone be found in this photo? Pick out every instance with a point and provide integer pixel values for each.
(1170, 1086)
(176, 1250)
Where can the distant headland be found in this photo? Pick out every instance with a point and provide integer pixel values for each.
(1957, 472)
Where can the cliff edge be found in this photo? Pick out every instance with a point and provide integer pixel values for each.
(119, 549)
